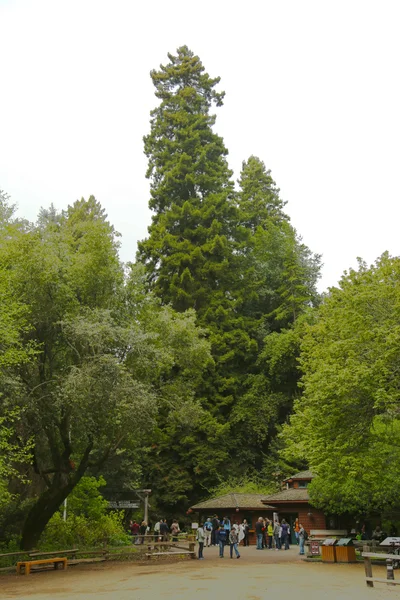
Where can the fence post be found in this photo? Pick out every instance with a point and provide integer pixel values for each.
(389, 570)
(368, 570)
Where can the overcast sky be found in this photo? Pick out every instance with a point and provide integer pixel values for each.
(312, 88)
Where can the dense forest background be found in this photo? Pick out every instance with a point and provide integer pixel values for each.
(208, 363)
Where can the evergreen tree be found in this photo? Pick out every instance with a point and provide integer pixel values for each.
(189, 250)
(258, 197)
(279, 275)
(226, 255)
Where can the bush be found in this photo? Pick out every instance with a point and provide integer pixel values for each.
(83, 532)
(88, 524)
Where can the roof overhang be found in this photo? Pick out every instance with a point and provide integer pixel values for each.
(291, 501)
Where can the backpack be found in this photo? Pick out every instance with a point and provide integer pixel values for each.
(305, 534)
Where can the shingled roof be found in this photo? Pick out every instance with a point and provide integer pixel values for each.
(244, 501)
(290, 495)
(302, 475)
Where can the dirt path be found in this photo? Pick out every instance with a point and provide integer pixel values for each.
(255, 576)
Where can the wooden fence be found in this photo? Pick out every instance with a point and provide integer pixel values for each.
(93, 555)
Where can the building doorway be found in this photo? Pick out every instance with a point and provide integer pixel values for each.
(290, 518)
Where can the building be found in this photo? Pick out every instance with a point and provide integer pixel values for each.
(293, 502)
(237, 507)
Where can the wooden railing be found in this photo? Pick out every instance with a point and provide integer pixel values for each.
(88, 555)
(389, 558)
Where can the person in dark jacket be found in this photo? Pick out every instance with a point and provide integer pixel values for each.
(221, 538)
(285, 534)
(215, 525)
(164, 530)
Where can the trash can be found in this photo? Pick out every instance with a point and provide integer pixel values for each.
(345, 551)
(328, 549)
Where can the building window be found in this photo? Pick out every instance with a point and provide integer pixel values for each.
(303, 484)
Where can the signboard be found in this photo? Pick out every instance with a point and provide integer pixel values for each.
(391, 541)
(329, 542)
(314, 548)
(122, 504)
(275, 517)
(195, 525)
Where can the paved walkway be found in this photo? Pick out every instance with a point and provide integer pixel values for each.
(250, 553)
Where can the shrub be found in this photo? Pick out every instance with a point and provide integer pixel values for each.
(83, 532)
(88, 524)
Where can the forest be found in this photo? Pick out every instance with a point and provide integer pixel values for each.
(210, 362)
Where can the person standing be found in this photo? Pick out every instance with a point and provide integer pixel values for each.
(277, 533)
(227, 527)
(270, 530)
(215, 527)
(157, 531)
(297, 530)
(264, 539)
(142, 532)
(200, 536)
(221, 538)
(134, 527)
(259, 532)
(246, 531)
(233, 543)
(175, 530)
(208, 527)
(164, 530)
(285, 534)
(241, 533)
(302, 538)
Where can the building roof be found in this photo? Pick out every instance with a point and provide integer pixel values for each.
(246, 501)
(307, 475)
(290, 495)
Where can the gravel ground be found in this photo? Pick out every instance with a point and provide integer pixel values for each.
(257, 575)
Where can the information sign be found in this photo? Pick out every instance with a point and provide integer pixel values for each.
(314, 548)
(122, 504)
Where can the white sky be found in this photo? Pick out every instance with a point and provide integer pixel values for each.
(312, 88)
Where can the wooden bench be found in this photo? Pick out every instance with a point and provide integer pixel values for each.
(45, 561)
(389, 558)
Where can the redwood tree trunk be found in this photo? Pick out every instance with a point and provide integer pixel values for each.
(41, 512)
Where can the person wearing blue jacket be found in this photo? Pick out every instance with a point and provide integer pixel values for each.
(222, 539)
(227, 526)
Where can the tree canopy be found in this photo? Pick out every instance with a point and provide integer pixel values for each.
(346, 423)
(162, 373)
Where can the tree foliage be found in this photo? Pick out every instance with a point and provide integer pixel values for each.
(90, 348)
(236, 260)
(346, 424)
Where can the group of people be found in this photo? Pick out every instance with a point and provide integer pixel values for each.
(214, 532)
(222, 533)
(161, 532)
(269, 534)
(275, 534)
